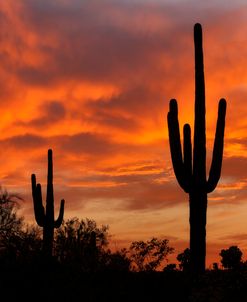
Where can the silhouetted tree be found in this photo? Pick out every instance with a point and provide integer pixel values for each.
(170, 267)
(215, 266)
(185, 260)
(45, 217)
(80, 242)
(148, 256)
(20, 243)
(192, 177)
(10, 224)
(231, 258)
(29, 245)
(115, 261)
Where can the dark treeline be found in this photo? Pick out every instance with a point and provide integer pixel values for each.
(82, 265)
(77, 244)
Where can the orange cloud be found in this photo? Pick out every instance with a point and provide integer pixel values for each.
(93, 80)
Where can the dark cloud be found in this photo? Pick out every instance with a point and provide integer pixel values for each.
(236, 98)
(99, 146)
(112, 120)
(144, 168)
(136, 101)
(50, 112)
(86, 143)
(127, 111)
(135, 192)
(92, 45)
(23, 142)
(112, 41)
(93, 146)
(234, 167)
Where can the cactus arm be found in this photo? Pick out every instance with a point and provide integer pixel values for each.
(33, 181)
(58, 222)
(175, 144)
(215, 170)
(199, 155)
(39, 210)
(187, 147)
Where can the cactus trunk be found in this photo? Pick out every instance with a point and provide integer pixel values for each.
(198, 212)
(48, 235)
(192, 177)
(198, 194)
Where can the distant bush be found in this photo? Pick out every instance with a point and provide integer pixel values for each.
(148, 256)
(184, 260)
(80, 243)
(231, 258)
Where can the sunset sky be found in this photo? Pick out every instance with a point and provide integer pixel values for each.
(92, 80)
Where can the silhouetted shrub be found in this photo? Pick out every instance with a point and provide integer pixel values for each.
(170, 267)
(30, 245)
(231, 258)
(10, 226)
(115, 261)
(148, 256)
(80, 243)
(215, 266)
(185, 260)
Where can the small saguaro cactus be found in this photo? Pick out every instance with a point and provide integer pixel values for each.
(45, 216)
(192, 177)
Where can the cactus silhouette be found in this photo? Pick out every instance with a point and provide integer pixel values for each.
(45, 217)
(192, 177)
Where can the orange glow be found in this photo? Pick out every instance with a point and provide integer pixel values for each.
(93, 82)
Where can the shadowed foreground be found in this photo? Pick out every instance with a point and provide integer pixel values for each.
(63, 285)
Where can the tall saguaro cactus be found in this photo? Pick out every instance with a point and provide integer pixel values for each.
(192, 176)
(45, 216)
